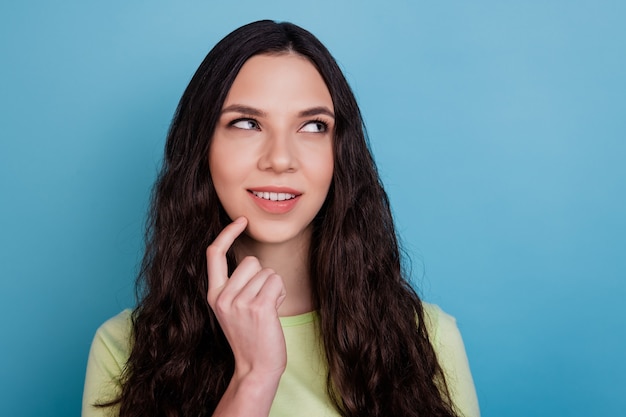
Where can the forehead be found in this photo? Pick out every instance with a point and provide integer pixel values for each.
(279, 80)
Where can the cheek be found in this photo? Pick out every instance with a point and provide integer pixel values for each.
(218, 175)
(325, 167)
(225, 165)
(320, 177)
(226, 182)
(222, 176)
(225, 188)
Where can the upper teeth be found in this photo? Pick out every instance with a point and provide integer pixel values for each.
(274, 196)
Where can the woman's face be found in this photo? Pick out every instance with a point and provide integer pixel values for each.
(271, 156)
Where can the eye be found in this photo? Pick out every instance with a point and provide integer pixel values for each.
(315, 126)
(245, 124)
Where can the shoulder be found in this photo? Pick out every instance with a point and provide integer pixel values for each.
(107, 359)
(441, 326)
(447, 342)
(444, 335)
(114, 335)
(119, 325)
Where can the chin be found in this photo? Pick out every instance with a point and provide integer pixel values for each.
(277, 232)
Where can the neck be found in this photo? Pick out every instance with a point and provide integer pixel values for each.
(290, 260)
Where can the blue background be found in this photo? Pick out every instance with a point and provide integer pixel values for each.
(500, 132)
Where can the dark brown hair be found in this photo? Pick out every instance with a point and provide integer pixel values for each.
(379, 356)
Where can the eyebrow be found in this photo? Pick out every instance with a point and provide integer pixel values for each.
(313, 111)
(238, 108)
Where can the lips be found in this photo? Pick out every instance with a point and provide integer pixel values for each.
(275, 200)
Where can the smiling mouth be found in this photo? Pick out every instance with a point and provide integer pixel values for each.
(273, 196)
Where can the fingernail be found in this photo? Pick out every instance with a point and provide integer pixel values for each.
(240, 220)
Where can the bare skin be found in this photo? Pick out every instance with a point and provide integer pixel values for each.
(246, 305)
(290, 261)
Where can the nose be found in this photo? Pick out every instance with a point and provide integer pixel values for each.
(279, 154)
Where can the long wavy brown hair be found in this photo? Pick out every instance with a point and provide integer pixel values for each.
(380, 360)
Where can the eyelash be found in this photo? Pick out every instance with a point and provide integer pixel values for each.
(250, 119)
(243, 119)
(320, 121)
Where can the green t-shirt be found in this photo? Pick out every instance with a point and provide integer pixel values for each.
(302, 388)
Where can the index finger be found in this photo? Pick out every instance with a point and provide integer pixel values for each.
(217, 267)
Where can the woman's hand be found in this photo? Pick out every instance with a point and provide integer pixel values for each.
(246, 306)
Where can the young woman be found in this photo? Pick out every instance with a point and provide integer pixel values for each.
(268, 189)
